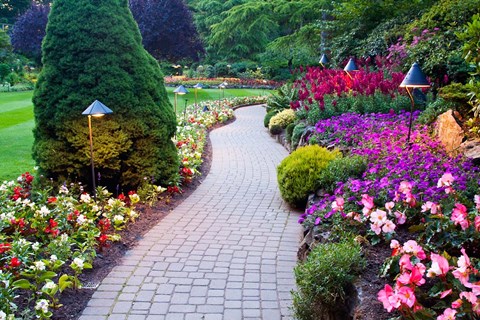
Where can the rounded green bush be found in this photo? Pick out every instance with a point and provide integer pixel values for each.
(275, 129)
(268, 116)
(298, 174)
(283, 118)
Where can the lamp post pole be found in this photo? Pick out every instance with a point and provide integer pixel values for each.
(91, 157)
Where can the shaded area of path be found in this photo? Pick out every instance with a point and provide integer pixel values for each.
(226, 252)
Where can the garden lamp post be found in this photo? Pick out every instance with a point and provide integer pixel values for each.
(197, 87)
(350, 67)
(179, 90)
(414, 79)
(324, 60)
(222, 86)
(96, 109)
(185, 112)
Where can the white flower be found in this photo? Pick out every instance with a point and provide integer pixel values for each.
(10, 183)
(81, 219)
(3, 187)
(3, 315)
(85, 197)
(43, 211)
(111, 202)
(36, 246)
(95, 208)
(63, 189)
(63, 237)
(53, 258)
(78, 262)
(118, 218)
(378, 217)
(22, 242)
(39, 265)
(42, 305)
(49, 285)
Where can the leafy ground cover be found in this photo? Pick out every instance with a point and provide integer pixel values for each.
(49, 237)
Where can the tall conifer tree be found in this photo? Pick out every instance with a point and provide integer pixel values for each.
(93, 50)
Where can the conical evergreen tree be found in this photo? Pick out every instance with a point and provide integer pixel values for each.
(93, 50)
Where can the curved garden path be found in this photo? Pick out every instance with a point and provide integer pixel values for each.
(226, 252)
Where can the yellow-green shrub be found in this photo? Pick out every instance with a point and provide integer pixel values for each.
(298, 174)
(282, 119)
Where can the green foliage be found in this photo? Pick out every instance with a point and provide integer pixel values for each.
(297, 134)
(434, 109)
(324, 279)
(4, 71)
(275, 129)
(340, 170)
(289, 132)
(471, 42)
(282, 98)
(93, 51)
(298, 174)
(268, 116)
(282, 119)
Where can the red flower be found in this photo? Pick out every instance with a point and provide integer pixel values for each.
(4, 247)
(52, 200)
(14, 263)
(121, 197)
(53, 223)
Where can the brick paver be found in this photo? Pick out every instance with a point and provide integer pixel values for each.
(227, 252)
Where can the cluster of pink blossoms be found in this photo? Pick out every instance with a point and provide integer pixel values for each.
(412, 271)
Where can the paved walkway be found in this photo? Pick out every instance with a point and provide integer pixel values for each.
(227, 252)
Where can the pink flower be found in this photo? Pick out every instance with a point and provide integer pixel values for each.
(457, 303)
(439, 266)
(445, 293)
(376, 227)
(448, 314)
(401, 217)
(459, 216)
(469, 296)
(477, 223)
(405, 187)
(433, 207)
(405, 263)
(378, 217)
(337, 205)
(476, 199)
(355, 216)
(388, 227)
(446, 180)
(385, 296)
(389, 205)
(394, 244)
(407, 296)
(411, 246)
(367, 201)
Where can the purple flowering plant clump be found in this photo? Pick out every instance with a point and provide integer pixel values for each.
(392, 163)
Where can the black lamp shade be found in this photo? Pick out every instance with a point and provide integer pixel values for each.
(415, 78)
(97, 108)
(324, 59)
(198, 86)
(180, 90)
(351, 66)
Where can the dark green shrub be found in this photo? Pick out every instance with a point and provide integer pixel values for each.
(268, 116)
(433, 110)
(340, 170)
(297, 134)
(275, 129)
(289, 132)
(324, 279)
(93, 50)
(298, 174)
(282, 98)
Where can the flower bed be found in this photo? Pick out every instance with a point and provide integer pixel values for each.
(215, 82)
(419, 191)
(48, 237)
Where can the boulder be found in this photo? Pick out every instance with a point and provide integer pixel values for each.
(449, 132)
(471, 149)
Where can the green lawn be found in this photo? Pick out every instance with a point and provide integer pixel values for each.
(16, 124)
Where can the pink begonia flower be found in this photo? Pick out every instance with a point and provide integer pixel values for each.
(415, 277)
(469, 296)
(375, 227)
(464, 260)
(445, 293)
(464, 269)
(405, 263)
(401, 217)
(378, 217)
(354, 216)
(433, 207)
(388, 298)
(457, 303)
(446, 180)
(421, 267)
(476, 199)
(394, 244)
(410, 199)
(407, 296)
(388, 227)
(405, 187)
(411, 246)
(439, 266)
(477, 223)
(367, 202)
(448, 314)
(337, 205)
(462, 274)
(389, 205)
(476, 288)
(459, 216)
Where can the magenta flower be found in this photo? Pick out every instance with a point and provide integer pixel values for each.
(448, 314)
(439, 266)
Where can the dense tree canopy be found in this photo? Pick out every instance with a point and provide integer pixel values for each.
(10, 9)
(92, 50)
(29, 30)
(167, 29)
